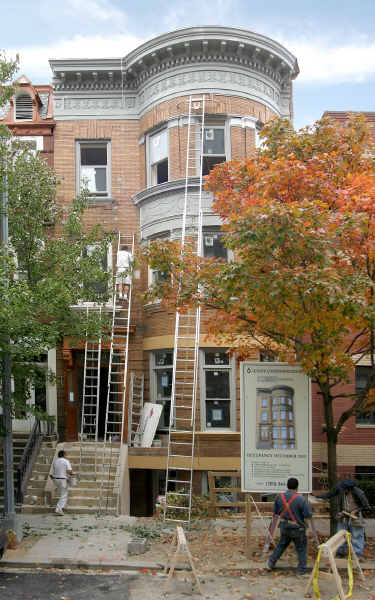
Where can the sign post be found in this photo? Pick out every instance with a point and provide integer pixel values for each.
(275, 427)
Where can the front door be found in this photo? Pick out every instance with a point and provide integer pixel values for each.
(102, 398)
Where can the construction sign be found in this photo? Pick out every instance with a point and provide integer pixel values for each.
(275, 427)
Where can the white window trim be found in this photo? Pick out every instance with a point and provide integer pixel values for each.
(153, 382)
(219, 124)
(33, 138)
(88, 143)
(26, 424)
(232, 387)
(149, 166)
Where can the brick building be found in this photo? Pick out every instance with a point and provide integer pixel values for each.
(131, 112)
(122, 124)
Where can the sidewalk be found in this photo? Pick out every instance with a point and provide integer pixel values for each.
(90, 542)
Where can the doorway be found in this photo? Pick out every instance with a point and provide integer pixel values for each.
(102, 398)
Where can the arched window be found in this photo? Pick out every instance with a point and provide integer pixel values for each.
(23, 107)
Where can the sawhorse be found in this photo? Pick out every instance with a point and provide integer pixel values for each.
(328, 551)
(179, 547)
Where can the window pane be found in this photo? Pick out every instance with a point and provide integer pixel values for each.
(164, 357)
(91, 156)
(95, 178)
(213, 141)
(164, 384)
(159, 146)
(217, 384)
(162, 171)
(210, 161)
(216, 358)
(213, 246)
(218, 413)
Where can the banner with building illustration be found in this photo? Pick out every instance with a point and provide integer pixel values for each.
(275, 427)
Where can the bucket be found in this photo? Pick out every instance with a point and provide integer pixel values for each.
(73, 481)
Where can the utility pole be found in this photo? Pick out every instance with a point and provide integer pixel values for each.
(9, 505)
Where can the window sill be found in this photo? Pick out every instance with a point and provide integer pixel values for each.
(94, 201)
(365, 425)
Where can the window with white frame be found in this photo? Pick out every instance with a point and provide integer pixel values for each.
(158, 157)
(213, 147)
(23, 107)
(161, 364)
(34, 143)
(93, 167)
(213, 245)
(217, 390)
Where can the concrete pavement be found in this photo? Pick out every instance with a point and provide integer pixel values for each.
(90, 542)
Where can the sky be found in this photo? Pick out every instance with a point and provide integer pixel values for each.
(333, 40)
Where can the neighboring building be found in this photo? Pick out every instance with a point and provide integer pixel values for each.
(127, 117)
(356, 446)
(29, 116)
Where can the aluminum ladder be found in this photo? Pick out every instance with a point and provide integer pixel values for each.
(181, 435)
(90, 392)
(135, 408)
(116, 394)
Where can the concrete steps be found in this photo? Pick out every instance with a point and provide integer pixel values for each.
(84, 497)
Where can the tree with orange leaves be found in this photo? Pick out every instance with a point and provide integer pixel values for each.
(299, 218)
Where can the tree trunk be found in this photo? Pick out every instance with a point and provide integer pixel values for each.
(332, 478)
(331, 456)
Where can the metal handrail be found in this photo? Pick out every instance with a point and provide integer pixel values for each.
(27, 459)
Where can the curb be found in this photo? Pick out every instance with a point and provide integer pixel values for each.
(99, 566)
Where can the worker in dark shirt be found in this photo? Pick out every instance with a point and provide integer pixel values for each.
(293, 511)
(351, 502)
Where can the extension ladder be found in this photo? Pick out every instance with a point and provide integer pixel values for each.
(116, 393)
(90, 392)
(181, 436)
(135, 408)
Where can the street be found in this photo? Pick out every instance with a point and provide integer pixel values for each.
(52, 584)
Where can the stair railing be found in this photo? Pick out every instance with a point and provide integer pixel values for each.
(27, 460)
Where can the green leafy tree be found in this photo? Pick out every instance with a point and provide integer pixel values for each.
(299, 218)
(51, 263)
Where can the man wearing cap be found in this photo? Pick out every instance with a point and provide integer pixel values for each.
(351, 502)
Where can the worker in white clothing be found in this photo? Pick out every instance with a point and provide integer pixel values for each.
(124, 263)
(62, 469)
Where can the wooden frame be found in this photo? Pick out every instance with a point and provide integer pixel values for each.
(328, 551)
(179, 547)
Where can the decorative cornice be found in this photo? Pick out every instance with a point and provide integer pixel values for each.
(181, 48)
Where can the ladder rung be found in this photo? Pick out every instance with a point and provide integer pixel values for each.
(180, 443)
(177, 520)
(177, 481)
(180, 455)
